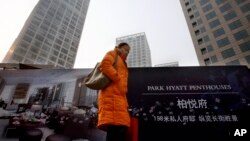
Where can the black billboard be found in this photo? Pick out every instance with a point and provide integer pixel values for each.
(192, 103)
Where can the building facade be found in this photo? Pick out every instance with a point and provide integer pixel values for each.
(169, 64)
(140, 55)
(51, 34)
(220, 30)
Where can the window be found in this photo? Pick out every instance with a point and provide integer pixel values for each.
(248, 59)
(223, 42)
(218, 32)
(64, 51)
(20, 51)
(39, 37)
(225, 8)
(50, 37)
(203, 29)
(31, 56)
(33, 27)
(207, 61)
(197, 14)
(230, 16)
(209, 48)
(213, 59)
(200, 41)
(207, 8)
(27, 39)
(187, 3)
(46, 48)
(203, 51)
(199, 21)
(245, 8)
(240, 1)
(61, 62)
(17, 58)
(228, 53)
(57, 47)
(24, 44)
(214, 23)
(41, 60)
(37, 43)
(52, 58)
(189, 10)
(245, 46)
(206, 38)
(43, 54)
(54, 52)
(202, 2)
(30, 32)
(191, 17)
(248, 17)
(218, 2)
(241, 35)
(235, 62)
(58, 41)
(235, 24)
(197, 32)
(34, 49)
(194, 7)
(211, 15)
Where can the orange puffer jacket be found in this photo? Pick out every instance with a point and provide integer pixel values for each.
(112, 101)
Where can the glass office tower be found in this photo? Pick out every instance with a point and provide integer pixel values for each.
(51, 34)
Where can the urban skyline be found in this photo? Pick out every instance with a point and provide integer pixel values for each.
(105, 21)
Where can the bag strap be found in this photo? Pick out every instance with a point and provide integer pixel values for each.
(116, 58)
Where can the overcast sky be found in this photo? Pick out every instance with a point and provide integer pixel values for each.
(162, 21)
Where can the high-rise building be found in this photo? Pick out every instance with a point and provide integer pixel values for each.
(169, 64)
(51, 34)
(139, 55)
(220, 30)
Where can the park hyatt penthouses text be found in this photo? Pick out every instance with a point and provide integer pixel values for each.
(188, 87)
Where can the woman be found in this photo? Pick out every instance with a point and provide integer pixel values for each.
(113, 115)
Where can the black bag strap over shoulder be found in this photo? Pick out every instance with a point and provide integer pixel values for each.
(115, 62)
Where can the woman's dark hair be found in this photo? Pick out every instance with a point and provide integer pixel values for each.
(122, 44)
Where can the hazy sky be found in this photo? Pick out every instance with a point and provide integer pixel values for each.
(162, 21)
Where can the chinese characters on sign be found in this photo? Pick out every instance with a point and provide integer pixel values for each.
(194, 104)
(196, 118)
